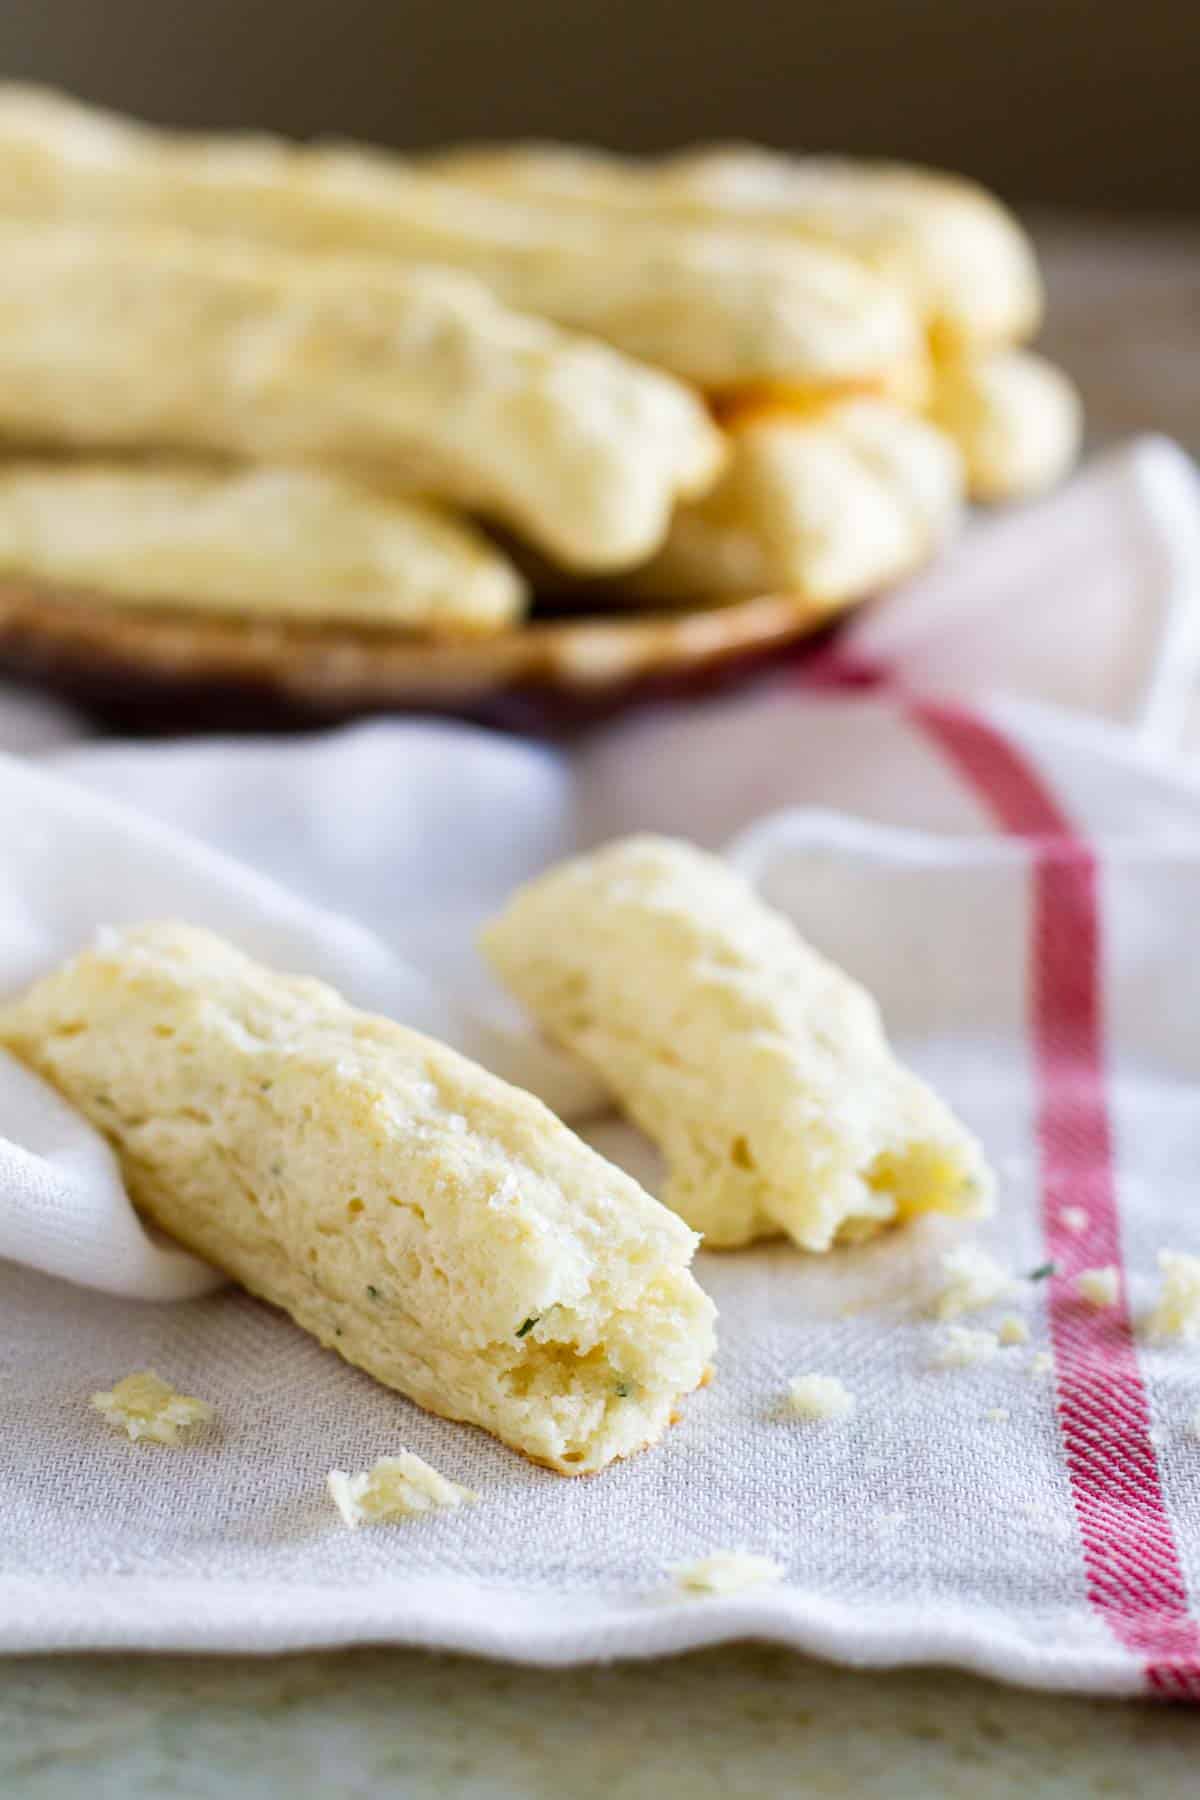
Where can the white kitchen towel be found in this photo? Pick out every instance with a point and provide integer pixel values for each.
(75, 863)
(1019, 886)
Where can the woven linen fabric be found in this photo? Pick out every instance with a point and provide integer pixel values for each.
(1018, 882)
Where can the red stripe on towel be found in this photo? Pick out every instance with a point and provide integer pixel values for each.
(1134, 1574)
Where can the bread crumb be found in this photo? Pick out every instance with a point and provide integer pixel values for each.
(820, 1397)
(975, 1280)
(1075, 1219)
(1041, 1363)
(997, 1415)
(1013, 1330)
(1177, 1313)
(962, 1346)
(726, 1572)
(143, 1405)
(1099, 1287)
(395, 1487)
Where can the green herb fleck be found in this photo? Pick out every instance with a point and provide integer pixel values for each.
(265, 1086)
(622, 1390)
(373, 1293)
(1043, 1272)
(337, 1331)
(529, 1324)
(277, 1168)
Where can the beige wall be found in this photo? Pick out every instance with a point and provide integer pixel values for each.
(1094, 102)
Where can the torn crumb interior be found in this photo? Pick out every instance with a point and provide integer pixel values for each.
(143, 1405)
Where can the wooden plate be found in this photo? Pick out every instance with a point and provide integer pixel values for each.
(154, 672)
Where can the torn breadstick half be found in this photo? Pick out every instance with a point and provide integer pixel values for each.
(119, 341)
(957, 253)
(706, 304)
(760, 1069)
(438, 1228)
(259, 542)
(1016, 418)
(832, 503)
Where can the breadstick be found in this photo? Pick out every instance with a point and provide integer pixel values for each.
(282, 543)
(760, 1069)
(706, 304)
(1016, 418)
(118, 341)
(956, 252)
(833, 504)
(438, 1228)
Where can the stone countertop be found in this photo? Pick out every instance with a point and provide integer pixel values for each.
(742, 1721)
(1124, 318)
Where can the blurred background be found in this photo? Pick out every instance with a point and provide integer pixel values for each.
(1082, 103)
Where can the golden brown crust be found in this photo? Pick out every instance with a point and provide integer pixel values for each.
(907, 386)
(739, 407)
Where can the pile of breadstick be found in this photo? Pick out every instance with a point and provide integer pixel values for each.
(332, 384)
